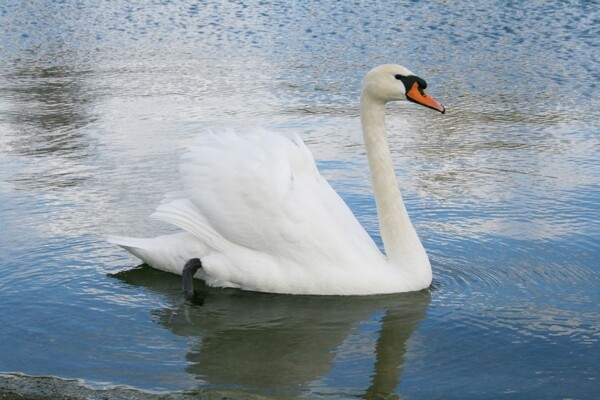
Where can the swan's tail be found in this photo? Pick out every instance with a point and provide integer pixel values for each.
(171, 252)
(128, 243)
(168, 253)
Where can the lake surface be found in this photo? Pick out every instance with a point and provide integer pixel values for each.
(97, 102)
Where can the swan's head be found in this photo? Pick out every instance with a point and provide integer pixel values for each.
(392, 82)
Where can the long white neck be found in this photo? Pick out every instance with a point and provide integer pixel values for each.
(400, 240)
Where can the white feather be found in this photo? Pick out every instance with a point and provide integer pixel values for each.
(259, 215)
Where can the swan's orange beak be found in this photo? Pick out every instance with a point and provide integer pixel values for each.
(418, 95)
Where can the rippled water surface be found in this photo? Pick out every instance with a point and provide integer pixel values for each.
(97, 102)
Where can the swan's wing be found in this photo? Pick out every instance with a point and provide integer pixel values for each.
(262, 191)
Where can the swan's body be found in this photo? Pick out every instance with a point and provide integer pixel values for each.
(259, 216)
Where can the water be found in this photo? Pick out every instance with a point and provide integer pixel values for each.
(98, 101)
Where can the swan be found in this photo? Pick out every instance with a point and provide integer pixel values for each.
(257, 215)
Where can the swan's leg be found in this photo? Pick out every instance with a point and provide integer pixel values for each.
(190, 268)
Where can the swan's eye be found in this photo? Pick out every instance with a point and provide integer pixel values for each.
(399, 77)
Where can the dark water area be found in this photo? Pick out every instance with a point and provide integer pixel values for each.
(98, 101)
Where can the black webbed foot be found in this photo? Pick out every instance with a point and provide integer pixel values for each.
(190, 268)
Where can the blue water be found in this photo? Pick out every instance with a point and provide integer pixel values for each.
(97, 102)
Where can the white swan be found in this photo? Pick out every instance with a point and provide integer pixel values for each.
(259, 216)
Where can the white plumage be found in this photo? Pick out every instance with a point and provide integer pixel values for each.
(256, 211)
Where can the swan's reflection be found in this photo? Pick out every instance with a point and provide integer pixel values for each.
(268, 341)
